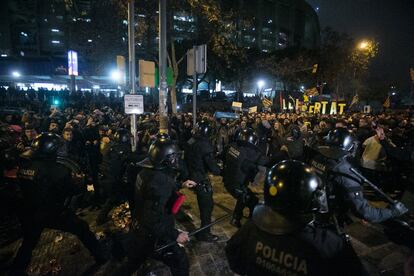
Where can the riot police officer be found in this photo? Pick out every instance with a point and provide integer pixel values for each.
(199, 157)
(113, 167)
(156, 202)
(241, 165)
(281, 238)
(334, 161)
(405, 155)
(45, 186)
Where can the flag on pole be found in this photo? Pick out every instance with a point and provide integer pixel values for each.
(312, 92)
(387, 102)
(315, 68)
(293, 101)
(412, 74)
(266, 102)
(355, 100)
(281, 101)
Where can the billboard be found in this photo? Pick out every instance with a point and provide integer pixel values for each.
(72, 63)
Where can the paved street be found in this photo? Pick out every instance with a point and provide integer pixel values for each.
(62, 254)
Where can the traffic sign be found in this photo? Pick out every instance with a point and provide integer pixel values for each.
(200, 62)
(134, 104)
(146, 73)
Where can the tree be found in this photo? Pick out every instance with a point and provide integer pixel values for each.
(343, 64)
(292, 67)
(360, 59)
(334, 62)
(213, 28)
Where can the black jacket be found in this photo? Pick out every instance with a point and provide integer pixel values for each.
(308, 251)
(241, 165)
(45, 186)
(347, 190)
(155, 192)
(199, 157)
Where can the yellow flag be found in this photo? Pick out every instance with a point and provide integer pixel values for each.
(266, 102)
(315, 68)
(355, 100)
(305, 98)
(387, 102)
(312, 92)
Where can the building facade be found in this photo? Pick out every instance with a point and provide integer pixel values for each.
(270, 25)
(36, 28)
(43, 31)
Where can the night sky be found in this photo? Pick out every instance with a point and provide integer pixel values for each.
(390, 22)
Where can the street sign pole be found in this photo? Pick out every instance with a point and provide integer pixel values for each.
(194, 86)
(163, 66)
(131, 47)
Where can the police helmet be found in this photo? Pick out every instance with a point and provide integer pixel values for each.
(291, 187)
(247, 136)
(46, 145)
(295, 132)
(339, 143)
(122, 135)
(164, 153)
(204, 129)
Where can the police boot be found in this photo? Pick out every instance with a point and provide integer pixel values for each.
(235, 222)
(207, 237)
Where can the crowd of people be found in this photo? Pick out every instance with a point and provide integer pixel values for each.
(49, 146)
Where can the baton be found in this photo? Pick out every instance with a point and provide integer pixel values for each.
(373, 186)
(194, 232)
(401, 222)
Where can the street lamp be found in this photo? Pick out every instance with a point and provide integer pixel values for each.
(260, 84)
(16, 74)
(116, 75)
(363, 45)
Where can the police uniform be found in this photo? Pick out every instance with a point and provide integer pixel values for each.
(113, 168)
(281, 238)
(45, 186)
(199, 156)
(241, 167)
(308, 251)
(153, 222)
(345, 191)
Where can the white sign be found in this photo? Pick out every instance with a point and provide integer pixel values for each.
(200, 62)
(201, 59)
(72, 63)
(236, 106)
(134, 104)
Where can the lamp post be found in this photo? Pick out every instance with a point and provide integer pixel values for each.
(116, 75)
(260, 85)
(363, 45)
(131, 51)
(16, 74)
(162, 61)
